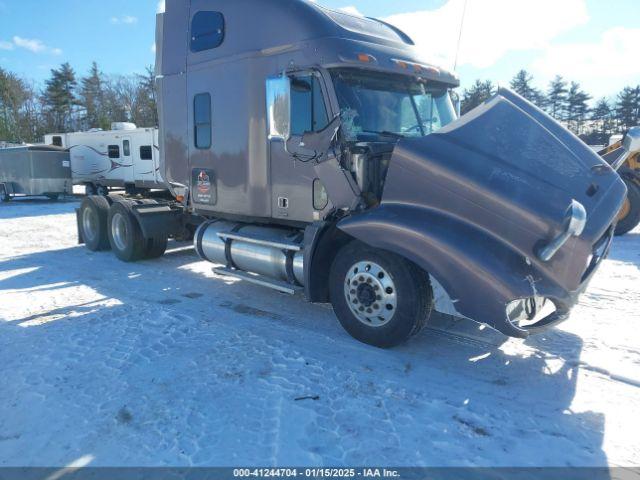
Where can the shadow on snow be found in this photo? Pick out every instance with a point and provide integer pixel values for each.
(443, 399)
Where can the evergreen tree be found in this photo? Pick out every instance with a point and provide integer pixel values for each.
(478, 93)
(146, 113)
(59, 99)
(627, 108)
(522, 85)
(14, 95)
(92, 99)
(602, 115)
(557, 98)
(577, 107)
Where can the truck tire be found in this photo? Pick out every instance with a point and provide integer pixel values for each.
(629, 217)
(93, 215)
(380, 298)
(4, 196)
(155, 247)
(125, 236)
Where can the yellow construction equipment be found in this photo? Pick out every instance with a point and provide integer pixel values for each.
(629, 216)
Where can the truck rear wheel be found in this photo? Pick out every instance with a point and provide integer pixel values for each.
(125, 236)
(379, 298)
(94, 212)
(629, 217)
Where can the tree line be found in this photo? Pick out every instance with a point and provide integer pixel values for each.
(67, 103)
(568, 103)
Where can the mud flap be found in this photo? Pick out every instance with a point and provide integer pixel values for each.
(158, 220)
(79, 227)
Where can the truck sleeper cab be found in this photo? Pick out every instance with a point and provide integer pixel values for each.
(318, 153)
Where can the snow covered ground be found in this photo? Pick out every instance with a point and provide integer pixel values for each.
(163, 363)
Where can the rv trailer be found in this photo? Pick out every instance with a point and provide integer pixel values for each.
(34, 171)
(123, 157)
(316, 152)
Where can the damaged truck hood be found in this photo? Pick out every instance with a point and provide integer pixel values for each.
(488, 190)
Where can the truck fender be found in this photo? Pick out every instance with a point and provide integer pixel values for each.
(480, 273)
(322, 242)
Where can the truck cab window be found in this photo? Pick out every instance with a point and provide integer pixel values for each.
(57, 141)
(202, 120)
(126, 148)
(207, 31)
(381, 104)
(308, 110)
(114, 151)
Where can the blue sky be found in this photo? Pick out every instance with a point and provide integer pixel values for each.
(591, 41)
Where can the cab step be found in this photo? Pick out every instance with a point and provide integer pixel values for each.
(261, 280)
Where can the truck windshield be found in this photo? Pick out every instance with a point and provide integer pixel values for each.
(390, 105)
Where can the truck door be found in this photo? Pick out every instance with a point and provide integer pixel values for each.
(293, 179)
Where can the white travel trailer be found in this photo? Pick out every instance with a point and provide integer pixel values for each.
(123, 157)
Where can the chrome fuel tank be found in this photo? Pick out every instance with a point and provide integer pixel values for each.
(253, 249)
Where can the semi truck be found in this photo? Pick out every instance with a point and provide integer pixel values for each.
(125, 157)
(317, 153)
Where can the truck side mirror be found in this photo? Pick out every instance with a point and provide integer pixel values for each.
(279, 107)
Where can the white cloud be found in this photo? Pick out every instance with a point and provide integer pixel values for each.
(153, 48)
(492, 28)
(32, 44)
(613, 54)
(124, 20)
(351, 10)
(6, 45)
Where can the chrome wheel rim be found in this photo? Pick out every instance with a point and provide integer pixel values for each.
(90, 224)
(371, 294)
(119, 231)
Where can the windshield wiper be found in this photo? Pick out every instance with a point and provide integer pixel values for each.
(385, 133)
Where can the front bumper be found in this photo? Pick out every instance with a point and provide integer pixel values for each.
(564, 304)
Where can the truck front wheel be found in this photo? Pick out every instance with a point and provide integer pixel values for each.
(379, 298)
(125, 235)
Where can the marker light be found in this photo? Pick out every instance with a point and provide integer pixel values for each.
(365, 58)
